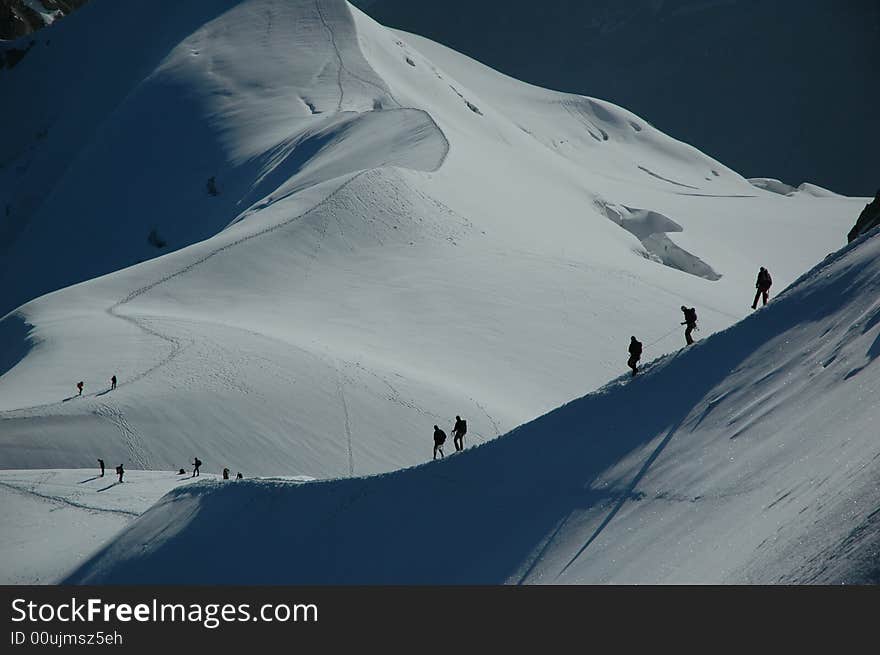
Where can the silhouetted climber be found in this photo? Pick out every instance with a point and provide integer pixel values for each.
(635, 354)
(439, 440)
(120, 471)
(113, 383)
(690, 319)
(196, 464)
(79, 386)
(181, 472)
(458, 433)
(238, 476)
(101, 463)
(763, 286)
(225, 474)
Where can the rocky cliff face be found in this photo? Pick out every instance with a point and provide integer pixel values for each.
(868, 219)
(22, 17)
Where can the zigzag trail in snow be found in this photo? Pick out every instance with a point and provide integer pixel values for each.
(342, 66)
(134, 443)
(138, 321)
(64, 501)
(595, 492)
(175, 344)
(298, 117)
(113, 311)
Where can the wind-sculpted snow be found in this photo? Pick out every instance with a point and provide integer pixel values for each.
(650, 228)
(794, 98)
(775, 186)
(347, 143)
(14, 342)
(86, 177)
(772, 185)
(749, 457)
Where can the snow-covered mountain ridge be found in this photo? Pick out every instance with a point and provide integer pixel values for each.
(300, 240)
(371, 234)
(751, 457)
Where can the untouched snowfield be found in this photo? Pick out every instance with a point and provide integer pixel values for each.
(749, 457)
(300, 240)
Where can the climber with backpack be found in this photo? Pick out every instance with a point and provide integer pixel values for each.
(439, 440)
(763, 285)
(690, 320)
(458, 433)
(635, 354)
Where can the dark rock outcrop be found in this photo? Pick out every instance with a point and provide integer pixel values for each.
(868, 219)
(18, 18)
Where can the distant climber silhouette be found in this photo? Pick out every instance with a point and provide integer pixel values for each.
(196, 464)
(101, 464)
(120, 471)
(113, 383)
(225, 474)
(635, 354)
(690, 320)
(238, 476)
(79, 387)
(439, 440)
(763, 286)
(458, 433)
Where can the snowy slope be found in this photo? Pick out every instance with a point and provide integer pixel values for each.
(750, 457)
(87, 177)
(56, 519)
(401, 235)
(783, 88)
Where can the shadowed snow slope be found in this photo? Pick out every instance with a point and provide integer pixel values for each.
(364, 234)
(61, 517)
(749, 457)
(243, 92)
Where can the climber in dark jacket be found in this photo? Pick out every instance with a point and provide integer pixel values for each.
(690, 320)
(763, 286)
(635, 354)
(439, 440)
(458, 433)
